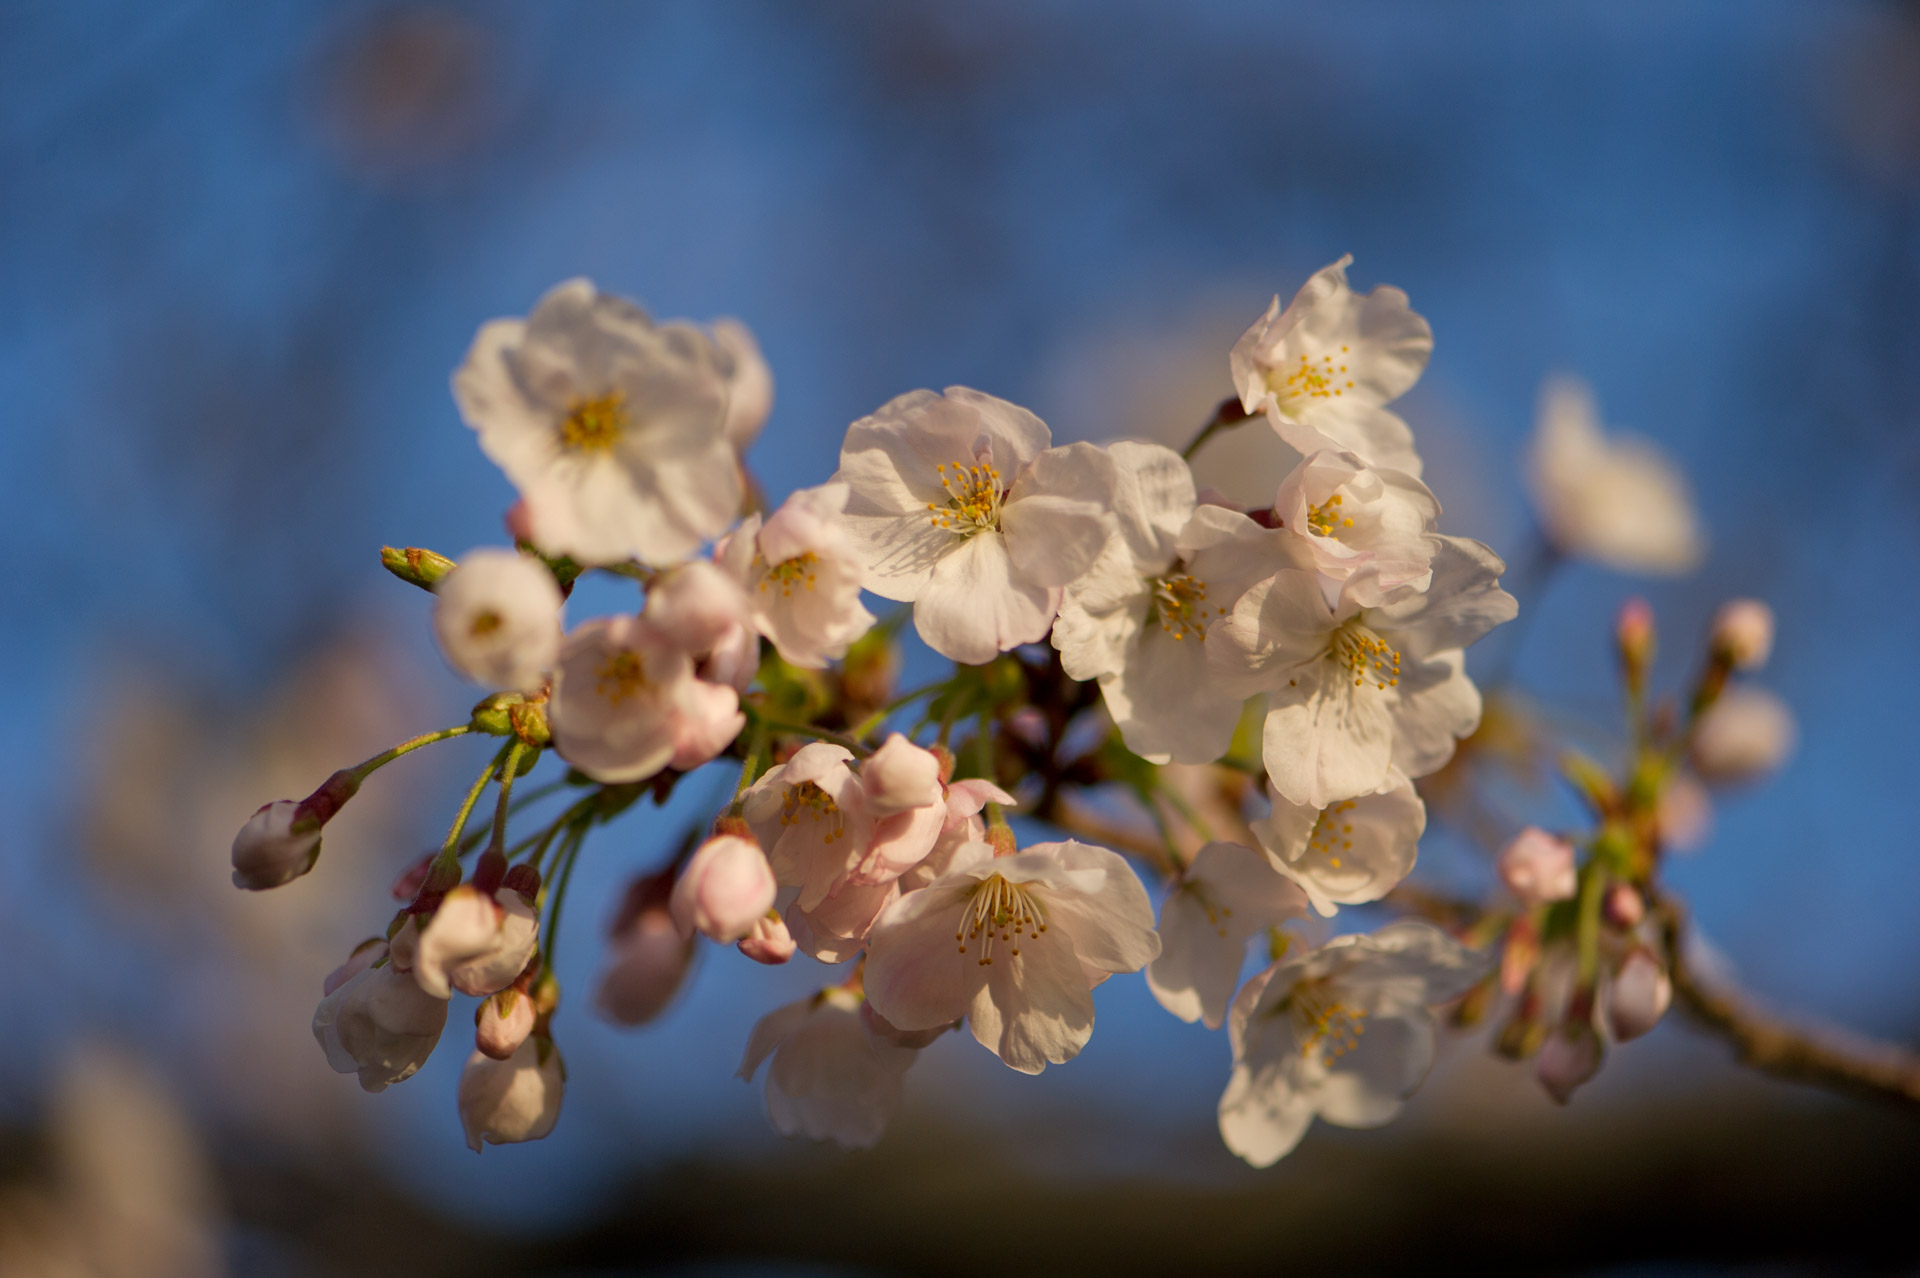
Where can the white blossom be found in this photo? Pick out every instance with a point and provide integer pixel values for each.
(1226, 896)
(1138, 620)
(1015, 945)
(518, 1099)
(1351, 852)
(626, 703)
(1617, 501)
(497, 617)
(269, 851)
(748, 379)
(831, 1078)
(1747, 733)
(811, 816)
(1354, 517)
(1538, 867)
(1342, 1033)
(801, 573)
(380, 1025)
(959, 507)
(475, 944)
(612, 427)
(1323, 369)
(1355, 692)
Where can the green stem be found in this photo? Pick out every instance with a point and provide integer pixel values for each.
(878, 717)
(523, 800)
(503, 806)
(1228, 414)
(750, 767)
(1587, 922)
(381, 760)
(450, 850)
(570, 850)
(804, 730)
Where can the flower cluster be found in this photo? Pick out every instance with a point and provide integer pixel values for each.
(1083, 592)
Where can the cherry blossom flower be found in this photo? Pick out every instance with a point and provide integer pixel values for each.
(503, 1023)
(770, 943)
(1538, 867)
(475, 944)
(831, 1077)
(497, 617)
(726, 888)
(1619, 502)
(1357, 692)
(811, 816)
(626, 703)
(380, 1025)
(647, 958)
(1743, 630)
(1351, 852)
(1226, 896)
(1355, 517)
(1014, 944)
(272, 848)
(612, 427)
(801, 573)
(1637, 996)
(959, 507)
(518, 1099)
(1323, 369)
(1342, 1033)
(1747, 733)
(748, 379)
(1138, 620)
(696, 605)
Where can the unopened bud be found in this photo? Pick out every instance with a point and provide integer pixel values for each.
(695, 604)
(519, 522)
(494, 715)
(528, 720)
(1623, 906)
(1538, 867)
(770, 942)
(274, 847)
(419, 567)
(1749, 732)
(518, 1099)
(475, 943)
(1743, 633)
(1568, 1059)
(1634, 634)
(647, 962)
(899, 777)
(524, 879)
(413, 878)
(502, 1022)
(1638, 996)
(1000, 839)
(724, 890)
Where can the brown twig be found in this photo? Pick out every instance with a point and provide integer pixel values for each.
(1824, 1058)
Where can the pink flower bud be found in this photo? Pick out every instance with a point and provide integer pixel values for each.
(518, 1099)
(1538, 867)
(364, 956)
(274, 847)
(770, 942)
(647, 963)
(1624, 907)
(1638, 996)
(706, 719)
(1748, 733)
(725, 889)
(413, 878)
(502, 1023)
(519, 522)
(1743, 633)
(900, 776)
(1569, 1058)
(696, 604)
(1633, 632)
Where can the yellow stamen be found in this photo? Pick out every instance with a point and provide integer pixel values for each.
(1000, 910)
(595, 425)
(973, 498)
(622, 675)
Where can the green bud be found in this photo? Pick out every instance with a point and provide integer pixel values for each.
(419, 567)
(494, 715)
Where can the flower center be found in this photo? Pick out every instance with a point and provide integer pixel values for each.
(1327, 1027)
(595, 425)
(1000, 910)
(1326, 519)
(1310, 380)
(790, 572)
(622, 675)
(484, 623)
(807, 801)
(973, 498)
(1180, 600)
(1365, 655)
(1332, 833)
(1217, 914)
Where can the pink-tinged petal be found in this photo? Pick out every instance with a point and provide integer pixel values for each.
(916, 976)
(1367, 1086)
(899, 843)
(1436, 707)
(1153, 499)
(1277, 627)
(1055, 520)
(973, 608)
(1033, 1009)
(1262, 1117)
(768, 1033)
(1112, 925)
(1326, 740)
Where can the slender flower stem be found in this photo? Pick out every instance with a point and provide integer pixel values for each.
(381, 760)
(450, 850)
(1227, 415)
(804, 730)
(750, 767)
(522, 800)
(570, 851)
(873, 721)
(503, 806)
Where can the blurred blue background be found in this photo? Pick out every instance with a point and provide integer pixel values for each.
(245, 245)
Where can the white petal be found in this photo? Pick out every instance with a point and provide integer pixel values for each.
(1326, 740)
(974, 608)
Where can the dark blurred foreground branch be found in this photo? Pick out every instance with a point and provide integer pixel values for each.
(1819, 1058)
